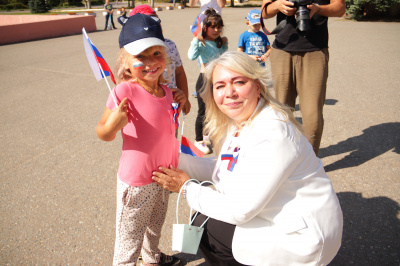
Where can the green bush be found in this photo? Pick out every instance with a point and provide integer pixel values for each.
(38, 6)
(372, 9)
(13, 6)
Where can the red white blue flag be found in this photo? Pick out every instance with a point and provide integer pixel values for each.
(197, 26)
(96, 60)
(175, 107)
(188, 147)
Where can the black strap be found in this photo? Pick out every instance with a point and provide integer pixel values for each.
(278, 28)
(264, 8)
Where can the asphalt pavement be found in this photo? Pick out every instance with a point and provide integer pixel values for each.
(58, 180)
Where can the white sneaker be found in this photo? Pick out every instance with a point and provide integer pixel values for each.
(206, 140)
(202, 146)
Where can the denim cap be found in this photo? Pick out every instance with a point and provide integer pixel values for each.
(139, 33)
(254, 16)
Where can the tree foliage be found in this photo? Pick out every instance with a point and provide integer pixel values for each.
(372, 9)
(38, 6)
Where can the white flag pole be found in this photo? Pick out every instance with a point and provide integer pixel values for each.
(108, 85)
(183, 123)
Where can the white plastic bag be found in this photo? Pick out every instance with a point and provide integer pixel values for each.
(186, 237)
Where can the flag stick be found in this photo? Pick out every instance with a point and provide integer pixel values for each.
(108, 85)
(183, 123)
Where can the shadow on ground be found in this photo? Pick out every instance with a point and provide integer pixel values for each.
(374, 141)
(371, 232)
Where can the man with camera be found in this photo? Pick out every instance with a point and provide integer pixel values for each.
(299, 57)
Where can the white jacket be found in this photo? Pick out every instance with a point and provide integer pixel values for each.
(279, 197)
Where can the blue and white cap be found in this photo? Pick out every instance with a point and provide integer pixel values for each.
(139, 33)
(254, 16)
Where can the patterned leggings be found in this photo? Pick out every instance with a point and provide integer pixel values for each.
(141, 213)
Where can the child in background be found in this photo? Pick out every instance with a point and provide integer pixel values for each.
(174, 62)
(206, 47)
(123, 18)
(253, 41)
(110, 10)
(145, 116)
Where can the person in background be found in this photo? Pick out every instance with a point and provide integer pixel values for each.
(123, 18)
(299, 59)
(206, 47)
(273, 203)
(110, 10)
(217, 5)
(174, 63)
(253, 41)
(206, 4)
(145, 117)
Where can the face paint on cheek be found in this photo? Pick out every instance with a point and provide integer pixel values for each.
(137, 64)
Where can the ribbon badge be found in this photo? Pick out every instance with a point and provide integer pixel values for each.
(231, 158)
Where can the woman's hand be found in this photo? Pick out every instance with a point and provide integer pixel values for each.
(170, 178)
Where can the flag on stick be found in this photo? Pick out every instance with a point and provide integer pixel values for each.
(197, 26)
(188, 147)
(175, 107)
(97, 62)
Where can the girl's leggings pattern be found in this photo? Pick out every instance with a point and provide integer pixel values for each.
(141, 213)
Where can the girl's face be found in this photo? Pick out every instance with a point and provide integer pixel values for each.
(213, 31)
(149, 64)
(235, 95)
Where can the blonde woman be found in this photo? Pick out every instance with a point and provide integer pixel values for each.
(274, 204)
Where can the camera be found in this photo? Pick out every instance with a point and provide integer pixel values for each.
(302, 14)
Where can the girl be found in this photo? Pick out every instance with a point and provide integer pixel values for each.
(145, 116)
(206, 47)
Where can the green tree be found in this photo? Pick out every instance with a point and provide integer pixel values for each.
(38, 6)
(371, 9)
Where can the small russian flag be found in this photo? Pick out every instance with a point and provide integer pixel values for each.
(175, 107)
(95, 59)
(197, 26)
(188, 147)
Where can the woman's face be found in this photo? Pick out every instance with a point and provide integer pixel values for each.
(235, 95)
(149, 64)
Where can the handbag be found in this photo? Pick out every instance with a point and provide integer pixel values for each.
(186, 237)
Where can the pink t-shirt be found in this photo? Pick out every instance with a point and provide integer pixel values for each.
(149, 137)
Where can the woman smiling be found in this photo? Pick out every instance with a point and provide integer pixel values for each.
(275, 205)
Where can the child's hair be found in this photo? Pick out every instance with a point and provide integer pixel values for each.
(212, 16)
(123, 71)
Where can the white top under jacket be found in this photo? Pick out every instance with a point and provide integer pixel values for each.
(278, 196)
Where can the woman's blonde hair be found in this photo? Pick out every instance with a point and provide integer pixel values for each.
(124, 73)
(216, 122)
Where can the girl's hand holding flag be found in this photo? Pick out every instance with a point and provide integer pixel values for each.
(179, 97)
(113, 121)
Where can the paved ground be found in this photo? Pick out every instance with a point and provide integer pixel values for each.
(58, 180)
